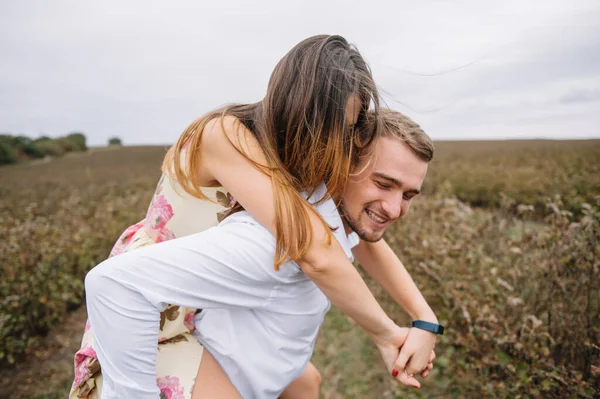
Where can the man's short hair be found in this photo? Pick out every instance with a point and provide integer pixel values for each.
(394, 124)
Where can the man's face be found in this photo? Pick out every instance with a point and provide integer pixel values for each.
(381, 193)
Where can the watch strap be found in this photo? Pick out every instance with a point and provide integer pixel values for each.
(427, 326)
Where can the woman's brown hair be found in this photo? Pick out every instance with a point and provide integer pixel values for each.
(301, 126)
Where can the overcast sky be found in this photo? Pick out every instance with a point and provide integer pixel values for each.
(143, 70)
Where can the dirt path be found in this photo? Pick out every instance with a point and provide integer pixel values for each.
(49, 370)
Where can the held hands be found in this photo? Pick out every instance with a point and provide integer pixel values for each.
(416, 355)
(395, 353)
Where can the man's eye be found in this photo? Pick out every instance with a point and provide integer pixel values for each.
(383, 185)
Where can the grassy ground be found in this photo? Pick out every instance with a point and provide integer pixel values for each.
(497, 276)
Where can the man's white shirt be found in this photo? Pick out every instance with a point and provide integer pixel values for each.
(260, 324)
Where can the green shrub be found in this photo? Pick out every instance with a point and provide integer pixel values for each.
(8, 154)
(28, 147)
(520, 297)
(66, 144)
(50, 148)
(517, 293)
(59, 220)
(114, 141)
(79, 140)
(526, 171)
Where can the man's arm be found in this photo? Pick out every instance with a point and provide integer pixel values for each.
(383, 265)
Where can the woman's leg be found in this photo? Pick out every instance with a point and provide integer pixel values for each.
(304, 387)
(212, 382)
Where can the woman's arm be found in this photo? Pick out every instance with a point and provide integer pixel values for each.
(381, 263)
(326, 264)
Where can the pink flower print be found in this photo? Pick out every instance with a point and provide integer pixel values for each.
(83, 357)
(85, 352)
(188, 321)
(125, 239)
(87, 326)
(165, 235)
(232, 201)
(81, 374)
(170, 388)
(159, 213)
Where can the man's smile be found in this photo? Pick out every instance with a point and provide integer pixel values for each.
(377, 218)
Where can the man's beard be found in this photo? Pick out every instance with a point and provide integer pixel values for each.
(355, 225)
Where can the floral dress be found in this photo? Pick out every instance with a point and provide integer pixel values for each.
(172, 213)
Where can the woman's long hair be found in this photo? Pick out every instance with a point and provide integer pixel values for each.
(301, 126)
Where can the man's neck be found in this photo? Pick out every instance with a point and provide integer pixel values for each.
(347, 227)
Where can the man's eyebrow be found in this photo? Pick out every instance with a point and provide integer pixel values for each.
(395, 182)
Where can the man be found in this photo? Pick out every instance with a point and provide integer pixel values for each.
(259, 324)
(378, 193)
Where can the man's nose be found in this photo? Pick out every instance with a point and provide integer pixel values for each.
(394, 208)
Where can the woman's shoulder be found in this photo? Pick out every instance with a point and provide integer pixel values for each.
(169, 187)
(223, 129)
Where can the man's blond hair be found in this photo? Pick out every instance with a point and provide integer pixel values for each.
(394, 124)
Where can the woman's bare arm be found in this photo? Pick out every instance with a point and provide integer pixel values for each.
(327, 265)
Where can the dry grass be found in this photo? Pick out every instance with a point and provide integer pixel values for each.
(517, 292)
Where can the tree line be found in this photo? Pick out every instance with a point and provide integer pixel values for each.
(19, 148)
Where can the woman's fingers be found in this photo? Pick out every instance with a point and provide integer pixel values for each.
(408, 380)
(400, 363)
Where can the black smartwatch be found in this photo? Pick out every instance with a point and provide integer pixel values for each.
(427, 326)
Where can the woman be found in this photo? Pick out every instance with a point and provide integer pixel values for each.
(301, 134)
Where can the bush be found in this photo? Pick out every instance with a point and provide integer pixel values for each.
(114, 141)
(66, 144)
(517, 293)
(79, 140)
(27, 147)
(15, 148)
(520, 297)
(527, 171)
(50, 148)
(69, 214)
(8, 154)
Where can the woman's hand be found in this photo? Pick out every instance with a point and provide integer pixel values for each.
(416, 355)
(392, 343)
(389, 344)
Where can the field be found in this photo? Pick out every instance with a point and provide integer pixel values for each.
(504, 244)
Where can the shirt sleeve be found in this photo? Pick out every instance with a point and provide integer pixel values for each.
(226, 266)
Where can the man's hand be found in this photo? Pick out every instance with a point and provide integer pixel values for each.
(416, 355)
